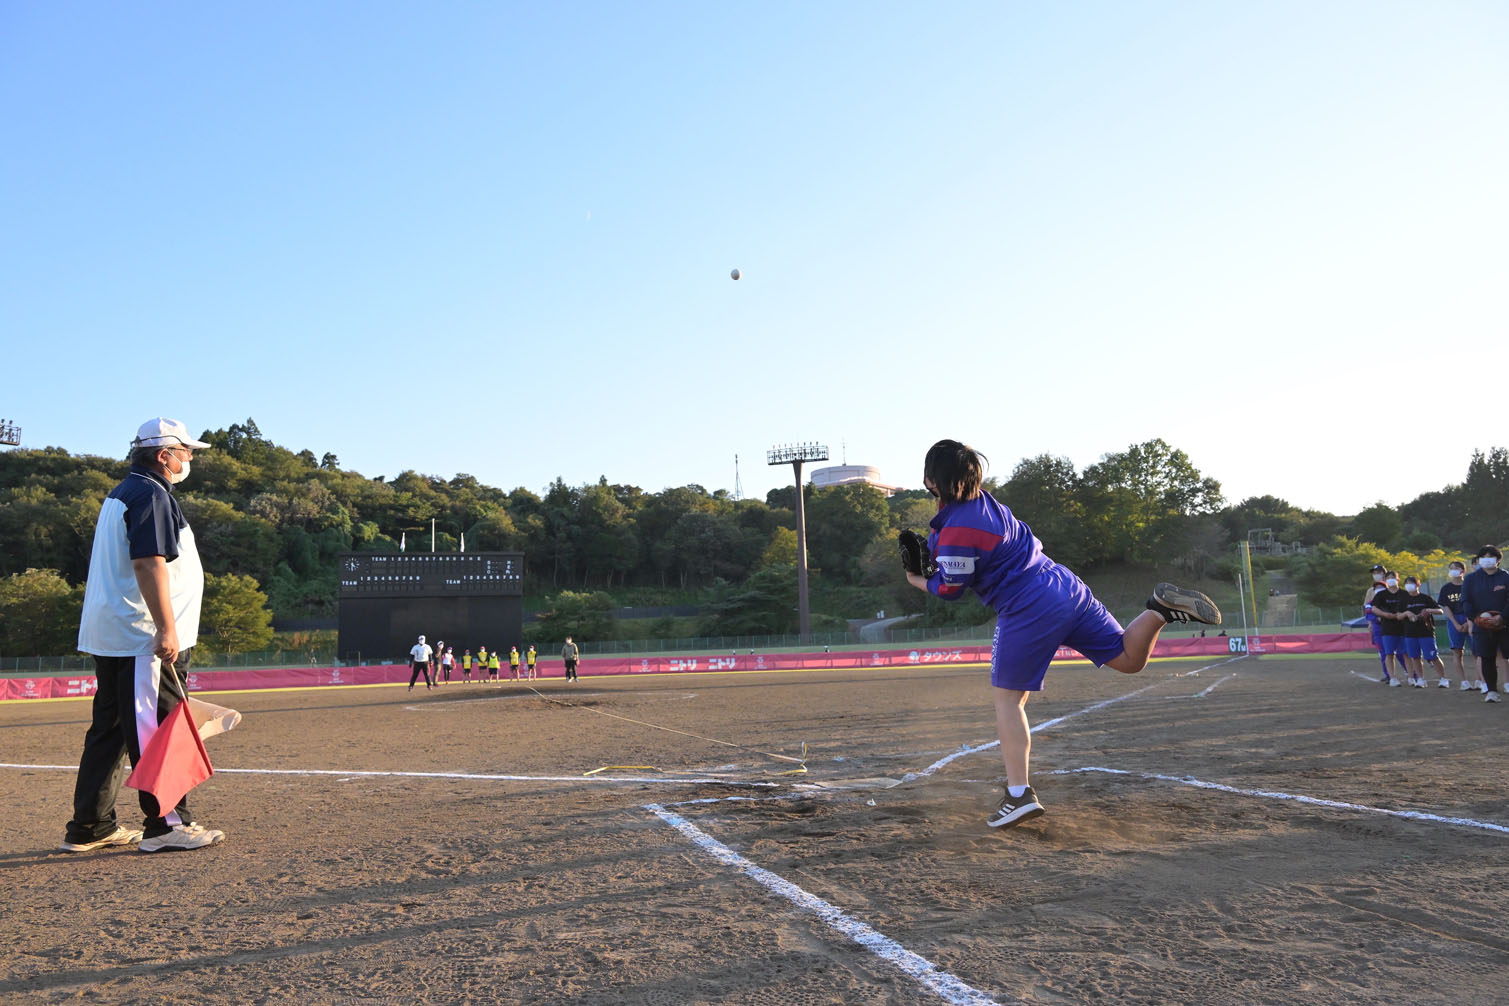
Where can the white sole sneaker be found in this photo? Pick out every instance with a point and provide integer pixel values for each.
(182, 839)
(120, 836)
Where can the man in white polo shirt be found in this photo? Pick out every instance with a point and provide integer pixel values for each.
(140, 623)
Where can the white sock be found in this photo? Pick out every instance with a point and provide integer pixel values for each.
(1016, 791)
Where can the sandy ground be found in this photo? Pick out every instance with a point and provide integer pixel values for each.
(382, 888)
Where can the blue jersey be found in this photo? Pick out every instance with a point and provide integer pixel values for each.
(980, 545)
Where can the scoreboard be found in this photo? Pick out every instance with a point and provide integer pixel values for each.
(420, 574)
(468, 599)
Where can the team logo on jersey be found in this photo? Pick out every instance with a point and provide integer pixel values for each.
(956, 565)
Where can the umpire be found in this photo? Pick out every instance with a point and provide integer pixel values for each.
(140, 622)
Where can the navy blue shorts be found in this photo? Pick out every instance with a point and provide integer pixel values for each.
(1024, 644)
(1411, 647)
(1391, 646)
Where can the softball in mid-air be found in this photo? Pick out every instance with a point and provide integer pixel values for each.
(735, 274)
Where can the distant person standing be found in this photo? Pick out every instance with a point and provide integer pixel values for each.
(1485, 600)
(466, 666)
(569, 656)
(447, 661)
(1420, 634)
(1375, 630)
(529, 659)
(419, 657)
(513, 663)
(1458, 625)
(482, 663)
(140, 621)
(1388, 606)
(493, 662)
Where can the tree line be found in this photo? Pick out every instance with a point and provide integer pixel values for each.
(275, 519)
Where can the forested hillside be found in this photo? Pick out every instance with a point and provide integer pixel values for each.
(277, 518)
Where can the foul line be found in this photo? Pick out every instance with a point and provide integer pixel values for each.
(941, 983)
(479, 776)
(967, 750)
(1409, 815)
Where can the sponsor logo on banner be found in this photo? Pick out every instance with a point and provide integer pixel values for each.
(940, 656)
(1065, 653)
(193, 682)
(29, 689)
(335, 676)
(760, 662)
(81, 686)
(722, 663)
(875, 659)
(643, 668)
(914, 657)
(682, 665)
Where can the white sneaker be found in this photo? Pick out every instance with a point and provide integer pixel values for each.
(1443, 683)
(181, 839)
(1467, 686)
(120, 836)
(1492, 697)
(1483, 687)
(1395, 683)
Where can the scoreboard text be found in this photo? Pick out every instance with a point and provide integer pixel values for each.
(429, 574)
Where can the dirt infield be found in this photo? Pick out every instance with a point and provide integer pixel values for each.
(498, 873)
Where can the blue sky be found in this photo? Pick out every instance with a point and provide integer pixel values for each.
(495, 238)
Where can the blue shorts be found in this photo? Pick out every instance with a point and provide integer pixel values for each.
(1410, 646)
(1024, 643)
(1428, 651)
(1458, 639)
(1391, 646)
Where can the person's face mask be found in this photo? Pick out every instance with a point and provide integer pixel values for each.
(1488, 562)
(1413, 588)
(183, 470)
(1391, 584)
(1456, 574)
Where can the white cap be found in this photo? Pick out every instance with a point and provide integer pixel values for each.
(162, 432)
(421, 639)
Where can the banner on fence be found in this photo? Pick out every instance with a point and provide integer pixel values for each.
(79, 686)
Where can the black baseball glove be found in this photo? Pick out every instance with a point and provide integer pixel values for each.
(914, 554)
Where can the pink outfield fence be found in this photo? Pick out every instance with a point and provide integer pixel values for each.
(78, 686)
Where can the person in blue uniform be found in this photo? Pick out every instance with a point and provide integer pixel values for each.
(1458, 625)
(1040, 605)
(1374, 629)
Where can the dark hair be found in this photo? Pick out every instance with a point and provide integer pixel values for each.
(1489, 550)
(1388, 573)
(956, 469)
(1456, 562)
(146, 457)
(1412, 577)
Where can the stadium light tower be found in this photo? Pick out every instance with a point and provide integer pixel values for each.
(794, 455)
(10, 433)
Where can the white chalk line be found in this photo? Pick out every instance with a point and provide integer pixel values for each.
(1218, 684)
(967, 750)
(477, 776)
(1409, 815)
(941, 983)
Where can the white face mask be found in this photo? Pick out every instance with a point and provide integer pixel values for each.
(1456, 574)
(1488, 562)
(1391, 584)
(181, 474)
(1413, 588)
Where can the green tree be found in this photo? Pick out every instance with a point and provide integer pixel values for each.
(39, 614)
(1139, 499)
(580, 615)
(234, 614)
(765, 604)
(1379, 524)
(841, 523)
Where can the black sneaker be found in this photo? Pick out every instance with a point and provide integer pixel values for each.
(1176, 604)
(1016, 809)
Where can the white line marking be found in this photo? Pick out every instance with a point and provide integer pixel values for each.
(1368, 677)
(941, 983)
(481, 776)
(967, 750)
(1410, 815)
(1201, 695)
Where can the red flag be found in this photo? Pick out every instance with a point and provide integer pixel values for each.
(173, 762)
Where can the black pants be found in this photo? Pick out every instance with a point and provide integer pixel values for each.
(571, 670)
(114, 735)
(421, 665)
(1487, 644)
